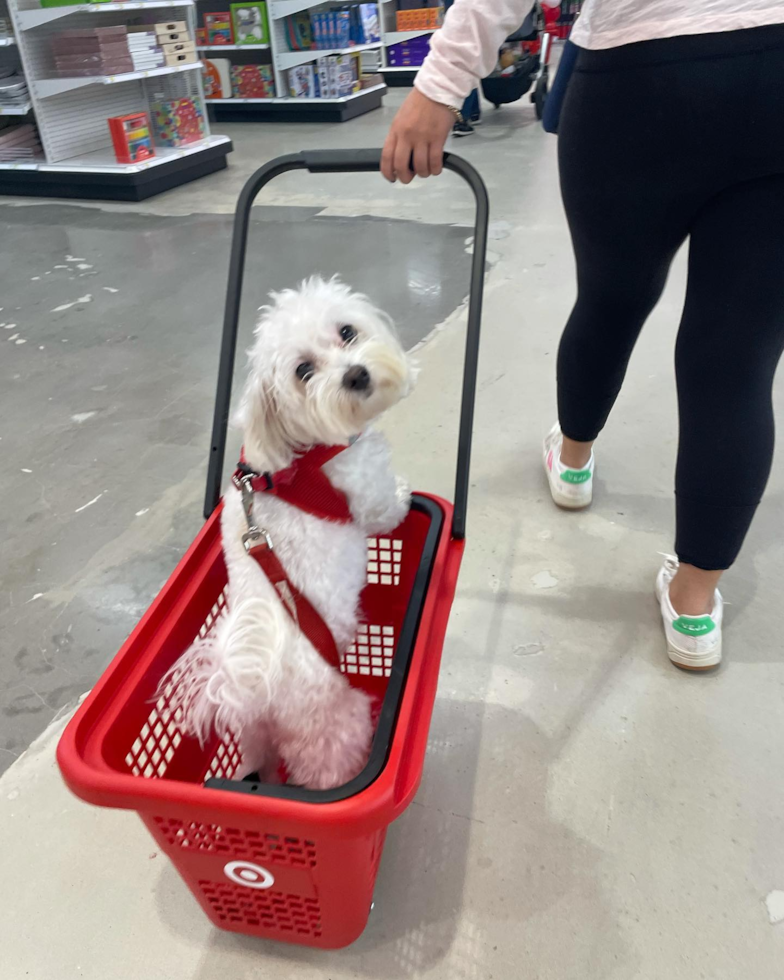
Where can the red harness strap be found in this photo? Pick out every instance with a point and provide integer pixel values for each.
(296, 605)
(303, 485)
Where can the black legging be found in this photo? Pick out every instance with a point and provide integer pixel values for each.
(659, 141)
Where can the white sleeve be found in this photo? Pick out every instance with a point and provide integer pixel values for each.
(465, 49)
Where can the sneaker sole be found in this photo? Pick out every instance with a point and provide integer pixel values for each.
(694, 661)
(684, 660)
(568, 503)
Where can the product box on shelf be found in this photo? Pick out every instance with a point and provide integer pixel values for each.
(217, 78)
(177, 122)
(338, 76)
(370, 23)
(331, 29)
(249, 21)
(177, 26)
(303, 82)
(426, 19)
(183, 47)
(201, 36)
(218, 27)
(180, 58)
(144, 47)
(252, 82)
(297, 28)
(131, 137)
(418, 4)
(81, 52)
(410, 53)
(175, 37)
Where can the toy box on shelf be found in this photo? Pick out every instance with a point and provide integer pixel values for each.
(331, 29)
(177, 122)
(421, 19)
(217, 78)
(249, 21)
(252, 82)
(410, 53)
(131, 137)
(333, 77)
(219, 28)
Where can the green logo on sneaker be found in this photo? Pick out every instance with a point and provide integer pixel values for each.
(694, 625)
(576, 476)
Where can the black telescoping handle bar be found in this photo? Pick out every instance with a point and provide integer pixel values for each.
(346, 161)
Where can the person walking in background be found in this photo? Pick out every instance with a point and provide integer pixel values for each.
(470, 110)
(670, 129)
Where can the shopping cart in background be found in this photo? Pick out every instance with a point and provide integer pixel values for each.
(523, 63)
(282, 862)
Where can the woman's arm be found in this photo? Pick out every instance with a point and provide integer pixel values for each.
(464, 50)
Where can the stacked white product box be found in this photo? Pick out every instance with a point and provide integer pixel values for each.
(146, 53)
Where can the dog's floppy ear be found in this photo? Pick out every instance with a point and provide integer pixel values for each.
(266, 446)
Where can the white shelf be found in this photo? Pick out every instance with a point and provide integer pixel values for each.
(288, 100)
(47, 87)
(34, 18)
(282, 8)
(290, 59)
(15, 110)
(395, 37)
(6, 42)
(104, 161)
(383, 71)
(20, 165)
(232, 47)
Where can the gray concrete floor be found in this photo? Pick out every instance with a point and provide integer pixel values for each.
(587, 811)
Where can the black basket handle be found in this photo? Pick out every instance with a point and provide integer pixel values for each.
(346, 161)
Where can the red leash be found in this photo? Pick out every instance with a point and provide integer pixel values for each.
(303, 485)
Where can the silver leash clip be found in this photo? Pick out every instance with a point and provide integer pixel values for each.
(254, 532)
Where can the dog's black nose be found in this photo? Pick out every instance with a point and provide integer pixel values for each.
(357, 378)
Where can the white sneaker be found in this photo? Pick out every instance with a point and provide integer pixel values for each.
(693, 642)
(569, 488)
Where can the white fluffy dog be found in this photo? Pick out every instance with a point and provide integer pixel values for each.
(324, 364)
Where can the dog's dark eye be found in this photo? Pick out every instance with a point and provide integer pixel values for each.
(348, 334)
(305, 371)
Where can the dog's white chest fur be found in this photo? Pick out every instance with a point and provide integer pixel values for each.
(324, 560)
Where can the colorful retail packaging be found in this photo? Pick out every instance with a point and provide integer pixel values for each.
(219, 29)
(131, 137)
(252, 82)
(250, 23)
(177, 121)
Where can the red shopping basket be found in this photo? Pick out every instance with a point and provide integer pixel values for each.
(282, 862)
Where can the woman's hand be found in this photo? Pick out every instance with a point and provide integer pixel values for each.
(419, 129)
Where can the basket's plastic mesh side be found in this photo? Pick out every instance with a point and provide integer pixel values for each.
(271, 911)
(368, 660)
(255, 845)
(161, 734)
(371, 652)
(227, 759)
(385, 556)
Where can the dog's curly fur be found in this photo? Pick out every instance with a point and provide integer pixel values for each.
(256, 674)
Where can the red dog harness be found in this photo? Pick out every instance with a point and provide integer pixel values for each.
(303, 485)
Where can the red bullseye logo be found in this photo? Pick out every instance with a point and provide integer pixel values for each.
(249, 875)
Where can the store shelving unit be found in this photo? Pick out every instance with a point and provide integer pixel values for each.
(72, 113)
(284, 108)
(396, 75)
